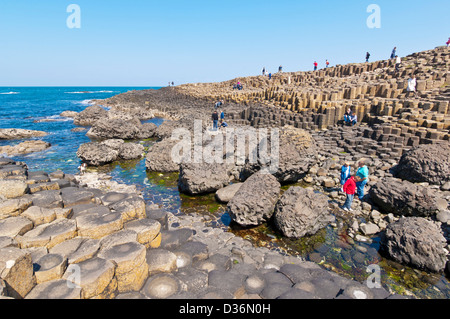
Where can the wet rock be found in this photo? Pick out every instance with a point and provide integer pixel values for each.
(301, 212)
(417, 242)
(196, 179)
(255, 201)
(96, 154)
(71, 114)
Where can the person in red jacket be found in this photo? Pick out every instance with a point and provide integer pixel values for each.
(350, 190)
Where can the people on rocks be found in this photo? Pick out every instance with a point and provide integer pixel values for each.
(327, 63)
(315, 65)
(215, 119)
(347, 116)
(238, 86)
(412, 82)
(394, 53)
(367, 56)
(345, 173)
(398, 61)
(349, 189)
(280, 68)
(362, 177)
(218, 104)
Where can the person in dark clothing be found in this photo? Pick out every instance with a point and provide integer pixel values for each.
(367, 56)
(215, 118)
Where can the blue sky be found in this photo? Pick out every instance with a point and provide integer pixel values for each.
(149, 43)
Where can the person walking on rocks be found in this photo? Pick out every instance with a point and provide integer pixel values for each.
(345, 174)
(394, 53)
(315, 65)
(412, 82)
(367, 56)
(362, 177)
(349, 188)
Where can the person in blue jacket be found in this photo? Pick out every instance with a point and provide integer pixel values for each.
(345, 173)
(362, 177)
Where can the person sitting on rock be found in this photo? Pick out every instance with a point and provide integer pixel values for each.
(353, 119)
(223, 124)
(347, 116)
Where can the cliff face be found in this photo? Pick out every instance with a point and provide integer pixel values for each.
(318, 99)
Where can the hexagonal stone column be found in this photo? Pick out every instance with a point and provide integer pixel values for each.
(50, 267)
(55, 289)
(16, 269)
(49, 235)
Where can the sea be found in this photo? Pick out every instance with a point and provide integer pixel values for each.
(39, 108)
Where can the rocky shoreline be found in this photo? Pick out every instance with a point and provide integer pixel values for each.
(58, 223)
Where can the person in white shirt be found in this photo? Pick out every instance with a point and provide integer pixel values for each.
(412, 82)
(398, 61)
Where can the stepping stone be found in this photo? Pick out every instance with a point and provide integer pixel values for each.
(214, 262)
(228, 281)
(121, 237)
(98, 224)
(56, 289)
(193, 279)
(197, 250)
(158, 215)
(14, 207)
(171, 239)
(161, 286)
(48, 199)
(14, 226)
(161, 260)
(95, 277)
(72, 196)
(16, 270)
(49, 235)
(78, 210)
(50, 267)
(13, 188)
(130, 208)
(78, 249)
(255, 283)
(39, 215)
(34, 188)
(148, 232)
(132, 269)
(113, 197)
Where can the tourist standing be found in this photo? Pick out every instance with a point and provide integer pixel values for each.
(315, 66)
(362, 177)
(394, 53)
(327, 64)
(448, 43)
(398, 61)
(270, 76)
(349, 188)
(345, 174)
(264, 71)
(280, 68)
(367, 56)
(215, 118)
(412, 82)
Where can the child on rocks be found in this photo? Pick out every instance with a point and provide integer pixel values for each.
(350, 189)
(345, 174)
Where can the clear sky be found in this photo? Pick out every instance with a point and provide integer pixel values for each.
(149, 43)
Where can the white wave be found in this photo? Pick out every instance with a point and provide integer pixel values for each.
(7, 93)
(86, 102)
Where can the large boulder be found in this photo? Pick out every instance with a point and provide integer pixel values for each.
(202, 178)
(404, 198)
(98, 154)
(90, 115)
(301, 212)
(417, 242)
(425, 163)
(255, 200)
(109, 128)
(159, 157)
(297, 152)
